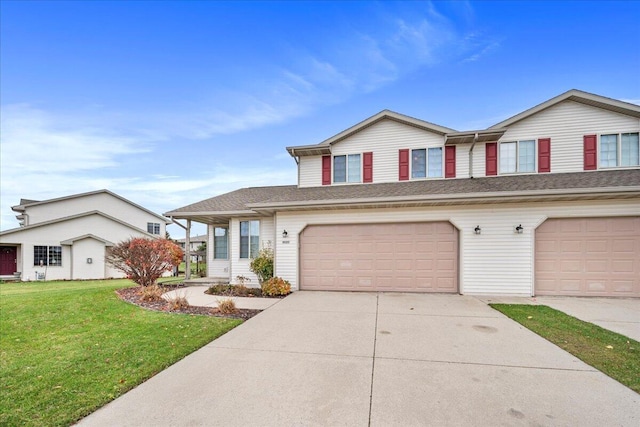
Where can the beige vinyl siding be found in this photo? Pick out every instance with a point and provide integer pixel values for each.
(462, 160)
(384, 139)
(310, 171)
(479, 161)
(241, 267)
(498, 261)
(216, 267)
(566, 124)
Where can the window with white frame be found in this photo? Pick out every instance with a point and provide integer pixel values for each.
(347, 168)
(426, 163)
(153, 228)
(249, 238)
(619, 149)
(518, 156)
(220, 243)
(47, 255)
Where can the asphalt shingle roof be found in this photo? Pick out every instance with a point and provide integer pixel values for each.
(240, 200)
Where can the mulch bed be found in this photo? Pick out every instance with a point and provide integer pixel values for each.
(132, 296)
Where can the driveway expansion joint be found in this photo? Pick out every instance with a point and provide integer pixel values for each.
(499, 365)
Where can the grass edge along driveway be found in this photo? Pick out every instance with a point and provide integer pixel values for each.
(611, 353)
(68, 348)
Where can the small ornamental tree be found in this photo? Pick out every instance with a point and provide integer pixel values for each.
(144, 260)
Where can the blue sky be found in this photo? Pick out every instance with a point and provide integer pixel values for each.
(169, 103)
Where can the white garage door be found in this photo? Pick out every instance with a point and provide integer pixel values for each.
(412, 257)
(588, 257)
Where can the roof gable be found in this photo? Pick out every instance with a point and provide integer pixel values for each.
(579, 96)
(86, 236)
(24, 203)
(325, 146)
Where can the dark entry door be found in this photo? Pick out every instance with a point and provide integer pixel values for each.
(7, 260)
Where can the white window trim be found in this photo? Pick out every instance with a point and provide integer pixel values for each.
(249, 236)
(535, 156)
(347, 182)
(618, 151)
(214, 243)
(426, 171)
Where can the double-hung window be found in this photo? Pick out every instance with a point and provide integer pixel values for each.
(153, 228)
(249, 238)
(47, 255)
(619, 150)
(220, 243)
(347, 168)
(518, 156)
(426, 163)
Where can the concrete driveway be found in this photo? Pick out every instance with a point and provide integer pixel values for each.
(358, 359)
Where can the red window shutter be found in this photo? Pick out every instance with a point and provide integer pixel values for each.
(403, 165)
(326, 170)
(450, 161)
(590, 152)
(544, 155)
(492, 159)
(367, 167)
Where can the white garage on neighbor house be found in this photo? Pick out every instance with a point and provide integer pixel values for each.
(544, 203)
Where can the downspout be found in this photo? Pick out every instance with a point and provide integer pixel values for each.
(473, 144)
(187, 252)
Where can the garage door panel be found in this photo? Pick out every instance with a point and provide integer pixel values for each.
(412, 257)
(588, 256)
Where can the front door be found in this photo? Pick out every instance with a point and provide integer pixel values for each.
(7, 260)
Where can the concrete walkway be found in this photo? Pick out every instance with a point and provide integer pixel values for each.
(359, 359)
(621, 315)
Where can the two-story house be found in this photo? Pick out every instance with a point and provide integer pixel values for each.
(67, 237)
(546, 202)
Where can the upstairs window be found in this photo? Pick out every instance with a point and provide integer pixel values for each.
(518, 156)
(347, 168)
(619, 150)
(153, 228)
(47, 255)
(220, 243)
(426, 163)
(249, 238)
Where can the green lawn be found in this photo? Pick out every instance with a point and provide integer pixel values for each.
(613, 354)
(67, 348)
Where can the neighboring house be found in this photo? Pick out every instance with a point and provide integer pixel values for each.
(546, 202)
(66, 237)
(194, 243)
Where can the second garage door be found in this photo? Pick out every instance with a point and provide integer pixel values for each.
(412, 257)
(588, 257)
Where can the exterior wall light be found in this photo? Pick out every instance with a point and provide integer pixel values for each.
(519, 229)
(285, 234)
(477, 230)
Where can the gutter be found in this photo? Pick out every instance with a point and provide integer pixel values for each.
(462, 197)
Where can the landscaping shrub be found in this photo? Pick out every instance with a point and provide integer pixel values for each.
(144, 260)
(233, 290)
(151, 293)
(177, 302)
(276, 286)
(227, 306)
(262, 265)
